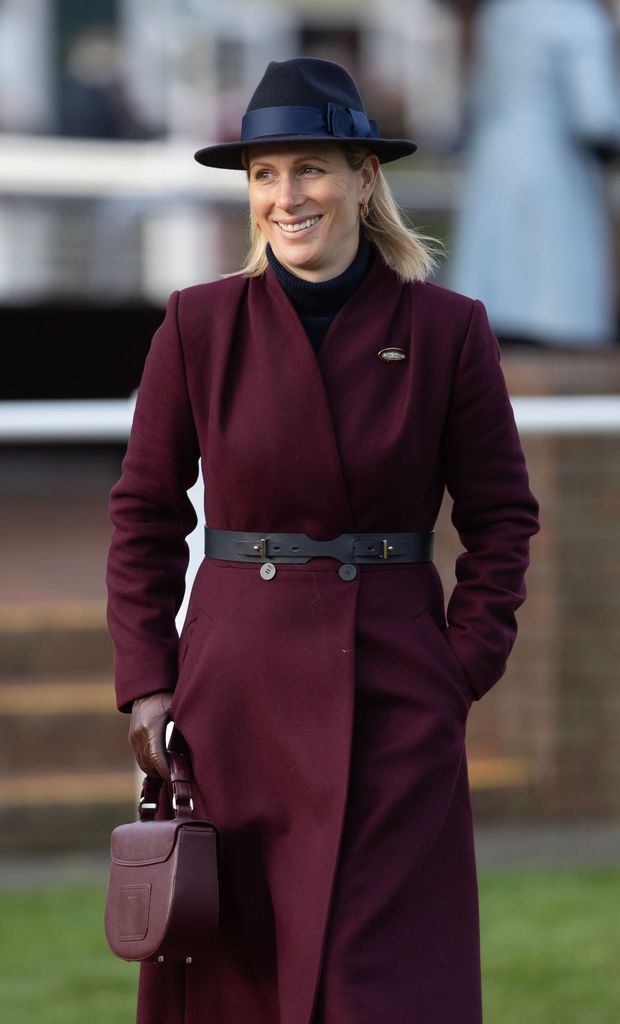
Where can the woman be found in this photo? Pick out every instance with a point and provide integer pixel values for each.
(533, 236)
(320, 692)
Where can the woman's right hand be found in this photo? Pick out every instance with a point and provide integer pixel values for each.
(147, 732)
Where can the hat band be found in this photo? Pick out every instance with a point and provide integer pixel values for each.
(336, 120)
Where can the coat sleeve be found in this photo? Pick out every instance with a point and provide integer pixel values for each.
(152, 515)
(494, 511)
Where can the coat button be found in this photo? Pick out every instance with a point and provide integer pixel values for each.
(268, 571)
(347, 572)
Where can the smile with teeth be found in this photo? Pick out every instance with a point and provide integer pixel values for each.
(291, 229)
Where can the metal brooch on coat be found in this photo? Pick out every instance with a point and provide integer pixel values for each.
(392, 354)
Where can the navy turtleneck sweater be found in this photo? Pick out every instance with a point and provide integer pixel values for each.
(317, 302)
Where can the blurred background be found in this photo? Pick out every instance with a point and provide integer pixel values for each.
(515, 105)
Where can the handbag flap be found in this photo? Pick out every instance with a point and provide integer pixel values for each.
(151, 842)
(144, 842)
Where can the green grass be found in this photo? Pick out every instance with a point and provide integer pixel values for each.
(550, 952)
(550, 946)
(55, 966)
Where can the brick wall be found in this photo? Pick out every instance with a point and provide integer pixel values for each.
(543, 743)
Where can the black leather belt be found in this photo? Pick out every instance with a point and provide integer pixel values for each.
(377, 548)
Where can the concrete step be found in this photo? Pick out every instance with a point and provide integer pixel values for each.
(67, 773)
(61, 724)
(49, 639)
(64, 827)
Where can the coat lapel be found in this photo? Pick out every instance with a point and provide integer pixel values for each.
(368, 398)
(289, 442)
(298, 408)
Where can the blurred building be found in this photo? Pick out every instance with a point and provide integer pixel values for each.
(188, 66)
(124, 90)
(178, 73)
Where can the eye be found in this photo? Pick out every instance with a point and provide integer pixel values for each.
(309, 171)
(261, 175)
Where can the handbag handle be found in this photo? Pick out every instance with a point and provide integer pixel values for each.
(181, 789)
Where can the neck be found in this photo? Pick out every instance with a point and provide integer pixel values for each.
(318, 302)
(323, 296)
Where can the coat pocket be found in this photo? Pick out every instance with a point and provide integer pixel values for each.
(437, 642)
(190, 639)
(191, 643)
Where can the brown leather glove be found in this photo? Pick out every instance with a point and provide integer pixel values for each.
(147, 729)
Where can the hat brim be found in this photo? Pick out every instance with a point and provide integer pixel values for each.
(228, 154)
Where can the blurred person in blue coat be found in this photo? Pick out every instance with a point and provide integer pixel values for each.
(533, 235)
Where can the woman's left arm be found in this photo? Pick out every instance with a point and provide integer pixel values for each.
(494, 510)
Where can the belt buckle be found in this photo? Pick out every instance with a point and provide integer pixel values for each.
(281, 548)
(387, 548)
(261, 549)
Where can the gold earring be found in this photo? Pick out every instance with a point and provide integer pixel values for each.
(364, 211)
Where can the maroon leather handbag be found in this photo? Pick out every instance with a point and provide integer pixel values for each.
(163, 894)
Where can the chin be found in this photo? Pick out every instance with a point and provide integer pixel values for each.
(298, 261)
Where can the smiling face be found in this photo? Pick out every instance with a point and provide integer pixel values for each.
(306, 201)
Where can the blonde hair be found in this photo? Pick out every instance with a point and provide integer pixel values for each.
(411, 255)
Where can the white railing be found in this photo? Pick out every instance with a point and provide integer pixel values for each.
(36, 166)
(87, 422)
(91, 421)
(83, 421)
(567, 414)
(79, 168)
(39, 166)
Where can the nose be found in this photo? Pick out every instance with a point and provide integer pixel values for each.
(288, 192)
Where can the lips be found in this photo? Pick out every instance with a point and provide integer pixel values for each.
(297, 226)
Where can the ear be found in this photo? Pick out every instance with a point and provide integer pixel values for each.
(369, 171)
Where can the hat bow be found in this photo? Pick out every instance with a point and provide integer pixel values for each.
(345, 123)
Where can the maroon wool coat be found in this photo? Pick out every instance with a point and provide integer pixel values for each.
(326, 718)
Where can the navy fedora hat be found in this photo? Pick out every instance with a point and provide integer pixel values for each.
(305, 100)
